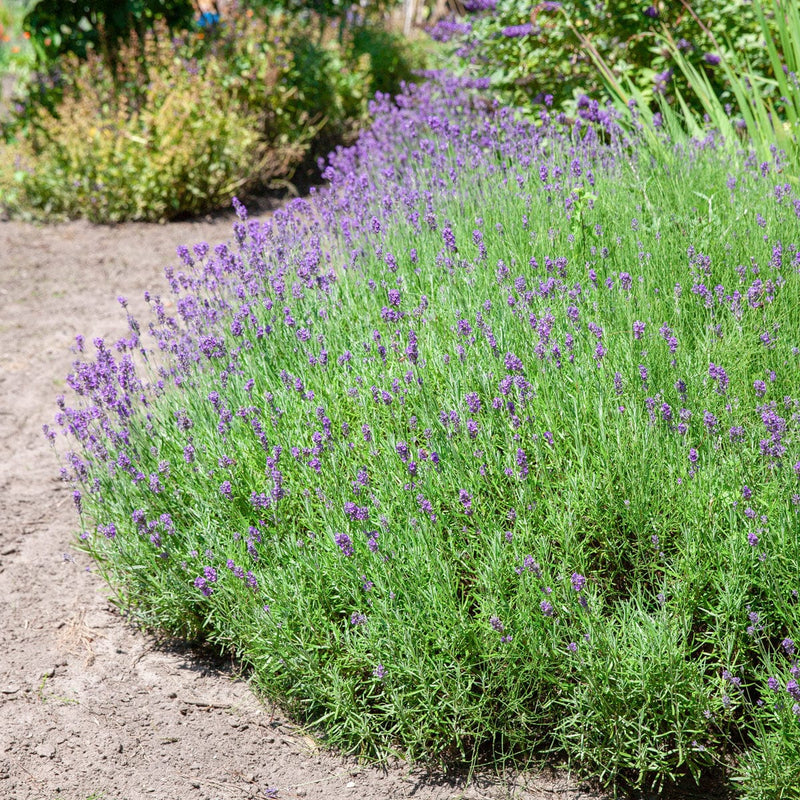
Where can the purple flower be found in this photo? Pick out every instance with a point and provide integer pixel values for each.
(345, 544)
(547, 608)
(379, 672)
(573, 313)
(710, 421)
(516, 31)
(497, 624)
(718, 374)
(466, 500)
(109, 531)
(356, 513)
(513, 363)
(578, 581)
(692, 455)
(210, 574)
(711, 58)
(225, 489)
(522, 463)
(638, 330)
(599, 352)
(788, 646)
(201, 584)
(529, 565)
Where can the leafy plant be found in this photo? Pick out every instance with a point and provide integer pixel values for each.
(491, 449)
(104, 26)
(206, 117)
(765, 114)
(183, 142)
(512, 44)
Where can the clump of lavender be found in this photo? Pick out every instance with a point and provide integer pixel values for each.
(367, 449)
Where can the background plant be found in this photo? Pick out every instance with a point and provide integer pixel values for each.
(102, 26)
(491, 443)
(177, 124)
(532, 51)
(765, 112)
(184, 141)
(16, 52)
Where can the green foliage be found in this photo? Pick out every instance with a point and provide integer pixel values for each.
(768, 107)
(328, 9)
(392, 58)
(525, 68)
(200, 125)
(16, 53)
(80, 26)
(765, 111)
(178, 125)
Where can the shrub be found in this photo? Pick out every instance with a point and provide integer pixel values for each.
(180, 124)
(491, 444)
(533, 51)
(187, 135)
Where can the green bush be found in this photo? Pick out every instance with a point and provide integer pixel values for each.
(531, 51)
(178, 125)
(180, 138)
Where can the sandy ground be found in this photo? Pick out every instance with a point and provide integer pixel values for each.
(89, 706)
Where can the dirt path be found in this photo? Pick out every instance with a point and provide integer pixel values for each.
(90, 707)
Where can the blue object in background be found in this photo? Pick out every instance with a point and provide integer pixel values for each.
(208, 19)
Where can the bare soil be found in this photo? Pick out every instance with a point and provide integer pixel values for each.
(89, 706)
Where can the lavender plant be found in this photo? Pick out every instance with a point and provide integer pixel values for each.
(488, 449)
